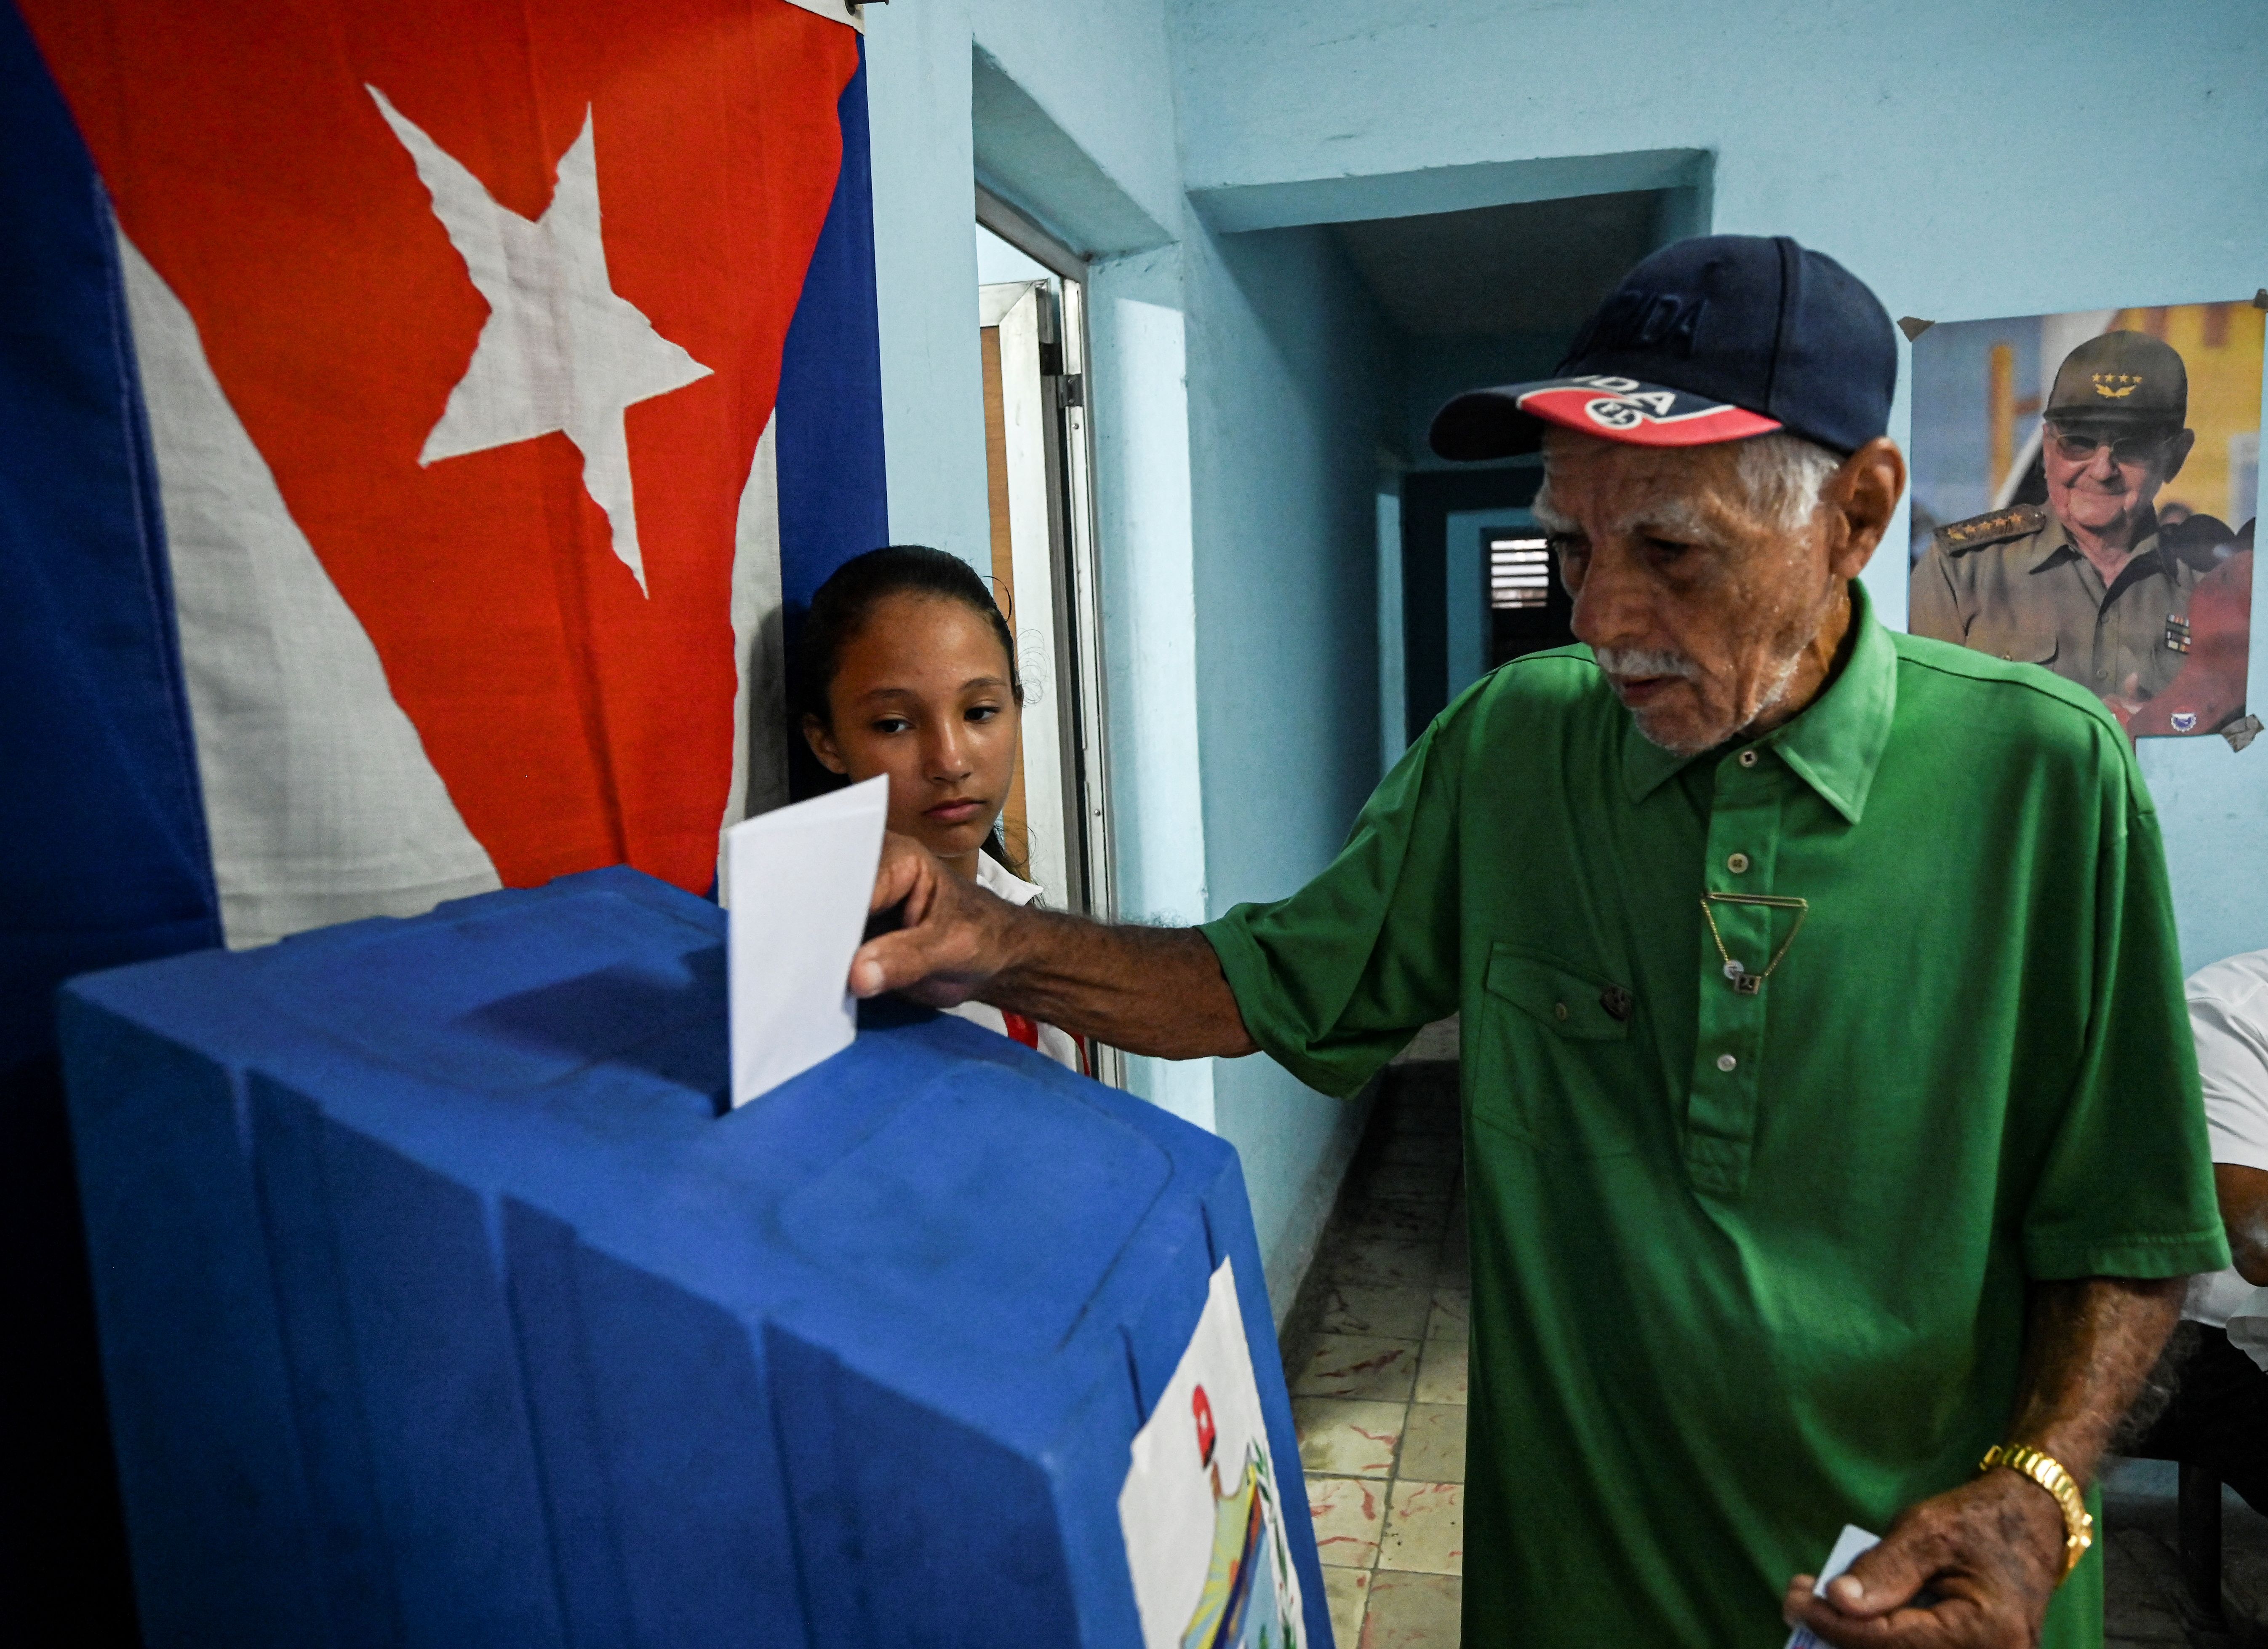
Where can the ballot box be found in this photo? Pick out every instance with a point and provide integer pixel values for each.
(443, 1301)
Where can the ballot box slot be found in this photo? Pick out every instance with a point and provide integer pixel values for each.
(528, 997)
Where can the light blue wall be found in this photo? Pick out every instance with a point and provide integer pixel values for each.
(1082, 126)
(919, 110)
(1077, 127)
(997, 261)
(1291, 386)
(1139, 335)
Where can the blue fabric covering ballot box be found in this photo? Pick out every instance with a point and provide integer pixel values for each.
(440, 1305)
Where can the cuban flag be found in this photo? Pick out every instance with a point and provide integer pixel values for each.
(415, 416)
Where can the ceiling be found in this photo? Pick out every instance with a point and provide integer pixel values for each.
(1498, 271)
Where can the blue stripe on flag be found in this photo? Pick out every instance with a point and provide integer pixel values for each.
(107, 858)
(832, 498)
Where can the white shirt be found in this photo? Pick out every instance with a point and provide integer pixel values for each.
(994, 878)
(2228, 1016)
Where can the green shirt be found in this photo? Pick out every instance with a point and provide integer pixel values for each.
(1747, 1267)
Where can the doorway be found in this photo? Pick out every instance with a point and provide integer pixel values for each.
(1448, 621)
(1489, 295)
(1031, 329)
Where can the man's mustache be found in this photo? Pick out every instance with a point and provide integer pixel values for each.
(1637, 662)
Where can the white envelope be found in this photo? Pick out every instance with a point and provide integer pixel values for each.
(797, 882)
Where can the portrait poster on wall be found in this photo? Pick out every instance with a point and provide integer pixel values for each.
(1200, 1509)
(2083, 488)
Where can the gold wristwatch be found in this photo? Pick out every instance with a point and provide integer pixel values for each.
(2048, 1472)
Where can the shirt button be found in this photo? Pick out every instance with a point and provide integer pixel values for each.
(2103, 675)
(1726, 1061)
(1737, 864)
(1559, 1010)
(1747, 759)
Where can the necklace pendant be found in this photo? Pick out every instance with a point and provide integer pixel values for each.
(1736, 973)
(1747, 984)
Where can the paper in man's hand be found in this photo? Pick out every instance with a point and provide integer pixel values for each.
(796, 883)
(1851, 1545)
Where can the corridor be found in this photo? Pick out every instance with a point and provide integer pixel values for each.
(1375, 1353)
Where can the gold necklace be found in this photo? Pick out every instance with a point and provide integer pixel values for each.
(1742, 981)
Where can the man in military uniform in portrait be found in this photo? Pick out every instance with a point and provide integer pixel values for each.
(2090, 585)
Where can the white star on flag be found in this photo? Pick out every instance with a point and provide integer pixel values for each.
(561, 349)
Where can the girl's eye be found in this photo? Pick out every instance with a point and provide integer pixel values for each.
(983, 712)
(892, 724)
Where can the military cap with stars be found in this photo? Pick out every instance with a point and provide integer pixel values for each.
(2128, 379)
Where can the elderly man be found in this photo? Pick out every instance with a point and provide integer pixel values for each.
(2092, 587)
(1830, 1116)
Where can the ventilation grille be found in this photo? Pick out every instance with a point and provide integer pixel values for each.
(1520, 572)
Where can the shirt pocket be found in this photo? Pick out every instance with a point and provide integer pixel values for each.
(2018, 639)
(1555, 1064)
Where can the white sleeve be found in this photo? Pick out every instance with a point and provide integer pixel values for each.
(2232, 1052)
(1061, 1046)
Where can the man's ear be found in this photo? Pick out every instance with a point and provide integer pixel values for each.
(822, 746)
(2179, 453)
(1865, 493)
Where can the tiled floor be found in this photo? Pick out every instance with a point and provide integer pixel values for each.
(1375, 1352)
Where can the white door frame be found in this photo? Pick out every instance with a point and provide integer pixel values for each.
(1023, 314)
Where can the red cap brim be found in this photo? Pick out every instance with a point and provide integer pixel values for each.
(1645, 416)
(1497, 423)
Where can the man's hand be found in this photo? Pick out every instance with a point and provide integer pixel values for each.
(951, 943)
(1148, 990)
(2244, 1194)
(1990, 1554)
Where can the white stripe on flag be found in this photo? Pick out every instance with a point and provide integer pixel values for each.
(321, 803)
(834, 11)
(759, 648)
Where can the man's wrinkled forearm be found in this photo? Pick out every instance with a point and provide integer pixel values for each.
(1158, 991)
(2090, 1344)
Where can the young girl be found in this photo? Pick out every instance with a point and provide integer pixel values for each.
(906, 670)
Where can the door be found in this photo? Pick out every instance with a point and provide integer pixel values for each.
(1055, 822)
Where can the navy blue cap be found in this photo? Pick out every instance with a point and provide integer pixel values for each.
(1716, 339)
